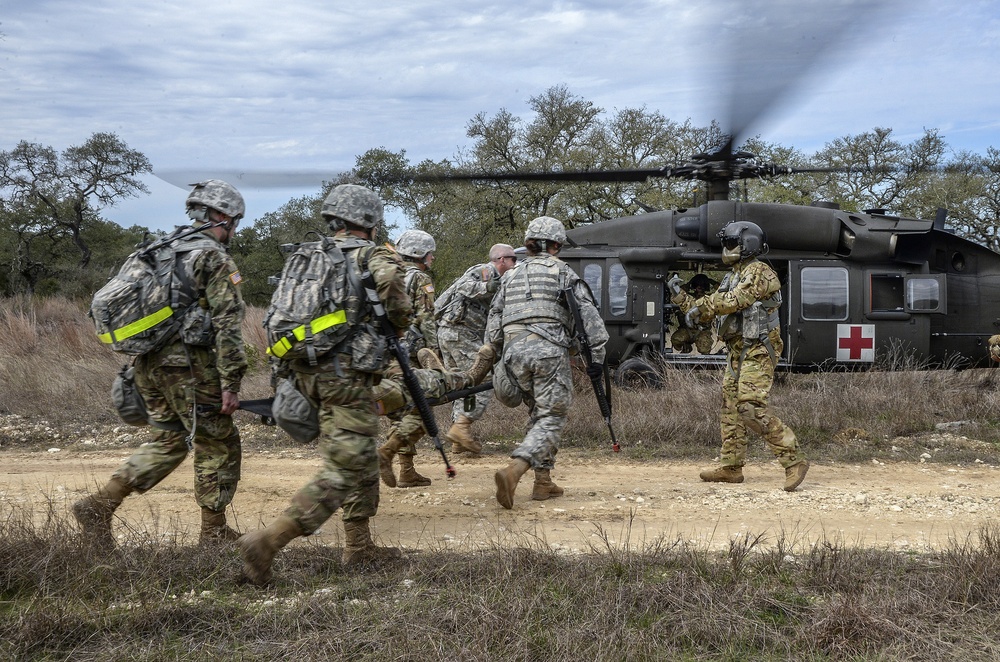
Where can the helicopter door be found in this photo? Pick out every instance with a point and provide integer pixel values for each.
(819, 302)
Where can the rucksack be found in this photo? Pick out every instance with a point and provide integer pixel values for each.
(142, 307)
(309, 315)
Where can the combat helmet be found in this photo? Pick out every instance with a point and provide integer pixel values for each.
(215, 194)
(350, 203)
(746, 236)
(415, 243)
(546, 228)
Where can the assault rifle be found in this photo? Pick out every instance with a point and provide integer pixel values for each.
(588, 359)
(403, 357)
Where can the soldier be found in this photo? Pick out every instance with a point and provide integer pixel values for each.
(347, 415)
(187, 371)
(685, 338)
(745, 308)
(531, 327)
(461, 313)
(417, 250)
(994, 347)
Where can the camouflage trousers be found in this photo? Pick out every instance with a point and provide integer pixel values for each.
(392, 399)
(169, 392)
(683, 338)
(745, 388)
(542, 371)
(348, 426)
(459, 345)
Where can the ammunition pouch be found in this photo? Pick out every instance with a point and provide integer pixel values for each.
(196, 327)
(126, 398)
(369, 350)
(295, 413)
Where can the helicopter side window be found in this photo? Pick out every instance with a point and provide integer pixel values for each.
(923, 295)
(617, 290)
(824, 293)
(887, 293)
(592, 274)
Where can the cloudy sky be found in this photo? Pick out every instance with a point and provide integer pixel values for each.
(305, 86)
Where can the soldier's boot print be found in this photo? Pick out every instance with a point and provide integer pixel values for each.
(795, 474)
(214, 529)
(94, 513)
(359, 550)
(481, 367)
(507, 479)
(733, 474)
(544, 488)
(385, 454)
(259, 547)
(408, 476)
(429, 359)
(460, 436)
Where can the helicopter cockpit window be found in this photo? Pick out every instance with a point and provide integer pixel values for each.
(617, 290)
(824, 293)
(592, 276)
(887, 293)
(923, 295)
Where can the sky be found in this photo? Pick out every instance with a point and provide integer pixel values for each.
(301, 88)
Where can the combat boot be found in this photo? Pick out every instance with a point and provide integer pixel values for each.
(94, 513)
(429, 359)
(214, 529)
(507, 479)
(259, 547)
(359, 550)
(795, 474)
(544, 487)
(731, 474)
(460, 436)
(482, 365)
(408, 476)
(385, 454)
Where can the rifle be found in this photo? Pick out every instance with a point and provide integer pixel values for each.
(403, 357)
(588, 358)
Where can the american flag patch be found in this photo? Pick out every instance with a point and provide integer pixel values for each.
(429, 288)
(235, 278)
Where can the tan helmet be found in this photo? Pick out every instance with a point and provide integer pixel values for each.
(218, 195)
(415, 243)
(353, 204)
(547, 229)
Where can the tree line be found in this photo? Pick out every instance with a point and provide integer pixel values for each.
(53, 239)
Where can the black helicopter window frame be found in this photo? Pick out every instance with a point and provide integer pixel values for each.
(826, 299)
(596, 284)
(618, 298)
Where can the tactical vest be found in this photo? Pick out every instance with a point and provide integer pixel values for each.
(752, 323)
(533, 293)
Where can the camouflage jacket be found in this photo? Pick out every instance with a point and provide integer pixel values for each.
(420, 289)
(750, 281)
(467, 301)
(556, 332)
(217, 280)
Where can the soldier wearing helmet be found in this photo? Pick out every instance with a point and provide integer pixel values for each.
(684, 339)
(206, 358)
(745, 310)
(341, 383)
(416, 248)
(531, 329)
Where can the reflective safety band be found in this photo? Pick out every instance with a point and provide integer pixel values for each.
(318, 325)
(136, 327)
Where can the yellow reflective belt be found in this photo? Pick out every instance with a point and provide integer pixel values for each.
(138, 326)
(318, 325)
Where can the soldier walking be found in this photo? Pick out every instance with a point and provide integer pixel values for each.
(530, 326)
(745, 309)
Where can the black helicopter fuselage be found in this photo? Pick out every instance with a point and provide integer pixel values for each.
(857, 288)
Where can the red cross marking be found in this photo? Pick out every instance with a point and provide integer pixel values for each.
(855, 343)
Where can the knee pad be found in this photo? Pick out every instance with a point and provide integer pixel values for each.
(748, 413)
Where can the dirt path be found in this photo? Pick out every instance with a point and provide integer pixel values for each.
(904, 506)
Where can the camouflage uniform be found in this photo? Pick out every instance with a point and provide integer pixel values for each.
(750, 370)
(530, 322)
(462, 324)
(347, 416)
(174, 377)
(700, 335)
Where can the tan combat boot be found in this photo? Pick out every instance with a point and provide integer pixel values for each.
(544, 488)
(507, 479)
(385, 454)
(795, 474)
(259, 547)
(481, 367)
(429, 359)
(732, 474)
(359, 550)
(408, 476)
(460, 436)
(214, 529)
(94, 513)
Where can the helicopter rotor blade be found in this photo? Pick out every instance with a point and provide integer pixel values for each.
(183, 178)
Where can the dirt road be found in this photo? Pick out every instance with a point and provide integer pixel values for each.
(899, 505)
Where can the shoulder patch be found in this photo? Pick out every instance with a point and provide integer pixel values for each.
(429, 288)
(485, 274)
(235, 278)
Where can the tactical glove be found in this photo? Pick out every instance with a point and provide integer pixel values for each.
(693, 317)
(595, 370)
(994, 345)
(674, 284)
